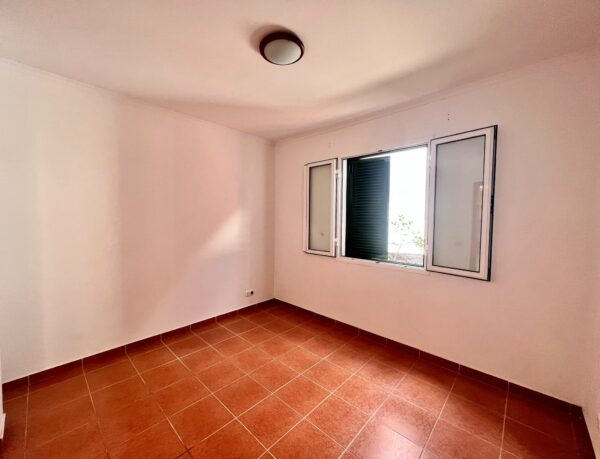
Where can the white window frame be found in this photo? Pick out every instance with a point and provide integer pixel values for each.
(338, 206)
(484, 272)
(334, 193)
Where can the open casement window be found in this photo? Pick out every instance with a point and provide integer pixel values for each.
(319, 211)
(383, 207)
(401, 207)
(460, 207)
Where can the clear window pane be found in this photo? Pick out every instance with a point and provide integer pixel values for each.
(398, 189)
(408, 180)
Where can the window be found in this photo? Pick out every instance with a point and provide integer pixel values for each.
(461, 197)
(319, 212)
(384, 213)
(419, 207)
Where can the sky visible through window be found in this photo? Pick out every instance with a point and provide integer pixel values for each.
(406, 235)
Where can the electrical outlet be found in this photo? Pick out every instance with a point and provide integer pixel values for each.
(249, 292)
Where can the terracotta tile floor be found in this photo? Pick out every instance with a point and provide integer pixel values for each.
(276, 382)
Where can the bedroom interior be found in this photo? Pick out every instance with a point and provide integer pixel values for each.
(300, 229)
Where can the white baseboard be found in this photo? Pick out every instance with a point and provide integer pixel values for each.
(2, 420)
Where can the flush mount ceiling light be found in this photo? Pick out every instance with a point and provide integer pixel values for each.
(281, 48)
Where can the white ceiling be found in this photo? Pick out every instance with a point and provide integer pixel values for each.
(362, 56)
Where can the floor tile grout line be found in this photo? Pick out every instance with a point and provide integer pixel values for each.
(341, 343)
(87, 385)
(273, 393)
(64, 433)
(305, 417)
(462, 429)
(128, 357)
(96, 419)
(489, 411)
(150, 394)
(138, 374)
(470, 432)
(506, 416)
(410, 402)
(331, 394)
(438, 418)
(213, 394)
(504, 424)
(246, 374)
(456, 426)
(134, 367)
(26, 418)
(104, 366)
(452, 393)
(231, 421)
(186, 327)
(161, 407)
(277, 358)
(374, 413)
(482, 405)
(372, 357)
(240, 315)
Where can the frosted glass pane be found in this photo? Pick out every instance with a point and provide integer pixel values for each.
(320, 208)
(458, 204)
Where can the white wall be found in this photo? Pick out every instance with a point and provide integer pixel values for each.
(120, 220)
(528, 325)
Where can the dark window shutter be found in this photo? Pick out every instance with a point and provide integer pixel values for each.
(367, 207)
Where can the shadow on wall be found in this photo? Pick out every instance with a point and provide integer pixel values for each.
(182, 220)
(122, 221)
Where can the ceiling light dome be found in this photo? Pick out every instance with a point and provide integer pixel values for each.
(281, 48)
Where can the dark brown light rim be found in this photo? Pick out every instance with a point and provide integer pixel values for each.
(281, 36)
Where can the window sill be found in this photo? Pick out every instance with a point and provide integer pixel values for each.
(383, 264)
